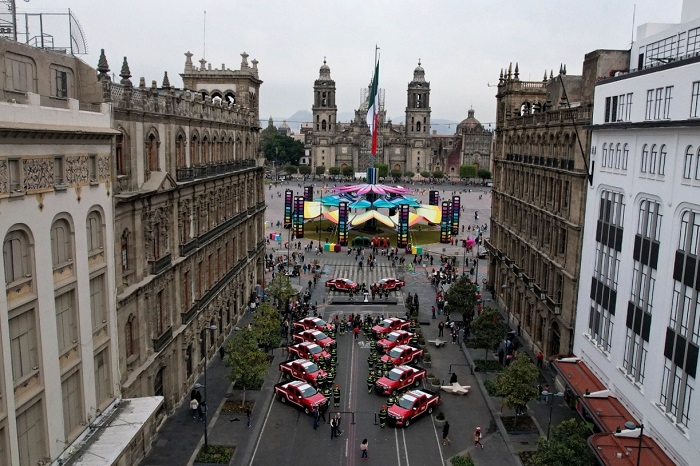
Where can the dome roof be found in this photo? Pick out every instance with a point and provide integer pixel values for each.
(324, 73)
(419, 74)
(470, 122)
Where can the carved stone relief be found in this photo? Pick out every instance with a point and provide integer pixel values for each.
(38, 173)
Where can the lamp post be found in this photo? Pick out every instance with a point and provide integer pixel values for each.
(629, 425)
(550, 397)
(206, 439)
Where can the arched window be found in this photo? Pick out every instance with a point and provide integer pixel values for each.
(645, 159)
(16, 254)
(688, 162)
(180, 151)
(323, 125)
(662, 160)
(152, 152)
(121, 153)
(697, 165)
(206, 151)
(61, 243)
(605, 154)
(418, 126)
(625, 156)
(129, 336)
(95, 233)
(652, 159)
(618, 153)
(125, 250)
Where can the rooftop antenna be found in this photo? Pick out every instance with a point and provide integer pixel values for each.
(204, 30)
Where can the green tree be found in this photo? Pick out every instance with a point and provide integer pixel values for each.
(438, 174)
(567, 445)
(281, 289)
(484, 174)
(320, 170)
(467, 171)
(266, 326)
(347, 171)
(281, 149)
(291, 169)
(396, 174)
(304, 170)
(461, 297)
(247, 363)
(517, 382)
(383, 169)
(335, 171)
(409, 174)
(487, 329)
(425, 174)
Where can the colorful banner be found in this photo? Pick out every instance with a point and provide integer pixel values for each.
(446, 222)
(308, 193)
(298, 217)
(433, 198)
(343, 223)
(288, 199)
(372, 175)
(402, 236)
(455, 215)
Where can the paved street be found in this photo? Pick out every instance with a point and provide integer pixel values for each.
(283, 435)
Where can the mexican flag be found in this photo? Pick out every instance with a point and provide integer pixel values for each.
(373, 109)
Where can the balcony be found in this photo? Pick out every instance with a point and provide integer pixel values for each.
(191, 312)
(159, 265)
(160, 342)
(189, 247)
(185, 174)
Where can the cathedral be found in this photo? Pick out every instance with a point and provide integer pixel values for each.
(408, 148)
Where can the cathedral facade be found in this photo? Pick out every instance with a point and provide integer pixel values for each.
(410, 147)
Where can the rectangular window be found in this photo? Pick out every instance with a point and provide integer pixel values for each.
(649, 112)
(607, 109)
(66, 321)
(72, 404)
(613, 109)
(61, 78)
(694, 100)
(658, 103)
(102, 377)
(58, 171)
(92, 168)
(97, 302)
(23, 346)
(562, 241)
(667, 102)
(628, 110)
(14, 174)
(19, 75)
(621, 108)
(30, 435)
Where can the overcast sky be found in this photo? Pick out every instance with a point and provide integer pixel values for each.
(462, 44)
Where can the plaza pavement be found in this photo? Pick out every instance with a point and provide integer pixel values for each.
(180, 436)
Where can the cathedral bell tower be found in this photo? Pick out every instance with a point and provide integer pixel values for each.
(324, 109)
(418, 122)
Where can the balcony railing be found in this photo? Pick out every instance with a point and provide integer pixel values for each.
(191, 312)
(160, 342)
(159, 265)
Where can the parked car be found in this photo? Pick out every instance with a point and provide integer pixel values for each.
(301, 369)
(308, 350)
(302, 395)
(399, 378)
(342, 284)
(389, 325)
(403, 354)
(399, 337)
(412, 405)
(312, 323)
(315, 336)
(390, 284)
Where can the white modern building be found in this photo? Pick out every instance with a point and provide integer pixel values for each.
(638, 319)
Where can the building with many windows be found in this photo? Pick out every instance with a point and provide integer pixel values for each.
(409, 147)
(59, 354)
(539, 193)
(638, 322)
(188, 219)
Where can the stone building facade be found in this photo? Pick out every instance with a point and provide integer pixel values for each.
(539, 194)
(408, 147)
(188, 222)
(58, 368)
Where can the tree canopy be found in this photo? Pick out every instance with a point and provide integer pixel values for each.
(335, 171)
(291, 169)
(396, 174)
(567, 445)
(438, 174)
(517, 383)
(461, 297)
(281, 289)
(425, 174)
(383, 169)
(467, 171)
(247, 363)
(304, 170)
(487, 329)
(347, 171)
(320, 170)
(484, 174)
(409, 174)
(279, 148)
(266, 326)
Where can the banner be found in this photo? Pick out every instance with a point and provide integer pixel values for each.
(308, 193)
(298, 217)
(433, 198)
(288, 194)
(402, 236)
(455, 215)
(372, 175)
(343, 223)
(446, 222)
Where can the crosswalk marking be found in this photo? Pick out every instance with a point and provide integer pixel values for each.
(343, 268)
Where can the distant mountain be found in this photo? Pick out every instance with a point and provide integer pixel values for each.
(443, 127)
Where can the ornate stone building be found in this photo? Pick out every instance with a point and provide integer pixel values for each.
(188, 228)
(408, 147)
(539, 194)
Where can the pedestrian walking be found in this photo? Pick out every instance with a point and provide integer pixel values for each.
(445, 432)
(248, 413)
(333, 428)
(477, 437)
(316, 416)
(336, 396)
(441, 328)
(356, 331)
(202, 411)
(540, 359)
(194, 406)
(338, 432)
(433, 309)
(364, 446)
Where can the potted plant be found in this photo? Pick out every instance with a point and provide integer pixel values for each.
(439, 419)
(434, 382)
(427, 359)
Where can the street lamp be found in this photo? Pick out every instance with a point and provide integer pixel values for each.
(206, 439)
(550, 397)
(631, 426)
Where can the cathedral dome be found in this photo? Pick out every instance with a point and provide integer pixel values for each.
(324, 74)
(419, 74)
(470, 122)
